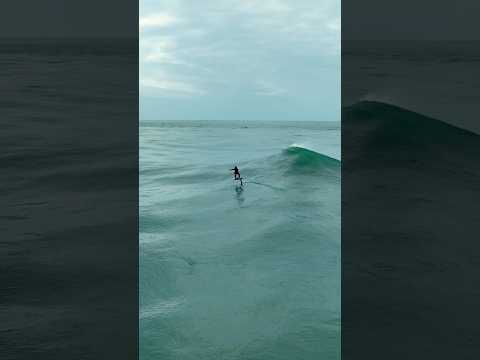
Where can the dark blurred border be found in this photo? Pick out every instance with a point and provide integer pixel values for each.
(69, 175)
(410, 180)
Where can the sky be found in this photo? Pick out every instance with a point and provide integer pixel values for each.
(239, 60)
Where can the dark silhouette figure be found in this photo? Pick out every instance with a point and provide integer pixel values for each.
(236, 174)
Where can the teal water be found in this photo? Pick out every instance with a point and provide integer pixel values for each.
(230, 272)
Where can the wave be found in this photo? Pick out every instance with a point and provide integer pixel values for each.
(304, 151)
(292, 161)
(301, 158)
(397, 123)
(379, 132)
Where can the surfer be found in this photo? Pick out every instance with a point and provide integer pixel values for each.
(236, 173)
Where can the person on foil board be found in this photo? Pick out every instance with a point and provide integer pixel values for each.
(236, 174)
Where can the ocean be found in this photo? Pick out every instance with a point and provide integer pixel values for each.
(239, 272)
(409, 235)
(227, 273)
(69, 195)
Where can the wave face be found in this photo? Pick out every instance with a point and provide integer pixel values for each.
(234, 272)
(303, 159)
(403, 126)
(399, 136)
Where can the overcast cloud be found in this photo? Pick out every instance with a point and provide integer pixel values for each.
(240, 59)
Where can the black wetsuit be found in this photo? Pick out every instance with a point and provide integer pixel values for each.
(236, 173)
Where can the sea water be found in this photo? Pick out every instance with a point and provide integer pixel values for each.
(239, 272)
